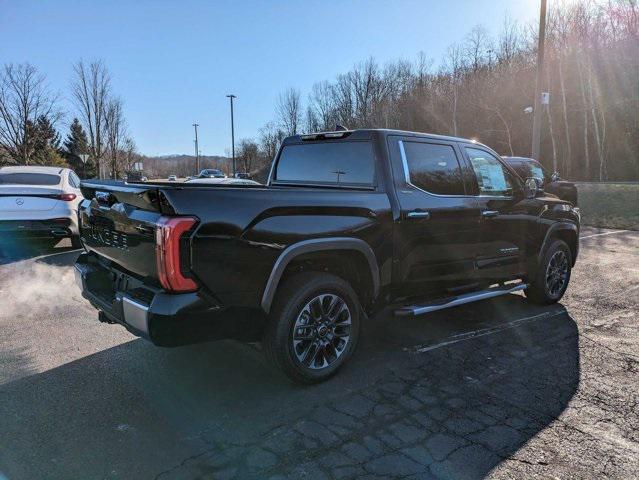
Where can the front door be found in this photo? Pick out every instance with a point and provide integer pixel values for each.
(507, 223)
(439, 222)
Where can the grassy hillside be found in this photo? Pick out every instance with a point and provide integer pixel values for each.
(609, 205)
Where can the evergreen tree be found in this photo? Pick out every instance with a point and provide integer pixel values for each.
(76, 144)
(45, 142)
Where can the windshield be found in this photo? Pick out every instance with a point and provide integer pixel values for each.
(24, 178)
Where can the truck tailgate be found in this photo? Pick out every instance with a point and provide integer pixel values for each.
(118, 222)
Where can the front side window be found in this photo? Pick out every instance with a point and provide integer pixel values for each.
(338, 163)
(492, 177)
(433, 168)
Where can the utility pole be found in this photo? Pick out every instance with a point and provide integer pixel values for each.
(231, 97)
(537, 117)
(197, 152)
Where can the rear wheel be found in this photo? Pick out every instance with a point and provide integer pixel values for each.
(553, 274)
(313, 327)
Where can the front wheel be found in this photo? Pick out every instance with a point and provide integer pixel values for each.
(313, 327)
(553, 274)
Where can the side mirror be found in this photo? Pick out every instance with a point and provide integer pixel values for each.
(531, 187)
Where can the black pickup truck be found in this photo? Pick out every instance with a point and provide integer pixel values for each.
(348, 223)
(548, 182)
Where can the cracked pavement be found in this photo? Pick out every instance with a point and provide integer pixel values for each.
(497, 389)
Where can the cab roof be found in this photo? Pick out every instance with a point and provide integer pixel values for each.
(32, 169)
(368, 133)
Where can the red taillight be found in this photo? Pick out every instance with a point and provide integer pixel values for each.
(167, 245)
(67, 197)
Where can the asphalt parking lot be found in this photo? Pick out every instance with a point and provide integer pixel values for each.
(499, 389)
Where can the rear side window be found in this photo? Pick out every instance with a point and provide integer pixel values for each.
(536, 171)
(433, 167)
(526, 170)
(74, 180)
(521, 168)
(29, 179)
(339, 163)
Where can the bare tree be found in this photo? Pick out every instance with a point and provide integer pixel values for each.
(455, 65)
(114, 133)
(248, 155)
(476, 46)
(270, 139)
(322, 106)
(483, 88)
(24, 97)
(91, 89)
(289, 110)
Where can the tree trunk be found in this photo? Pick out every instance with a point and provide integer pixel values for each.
(595, 122)
(568, 158)
(552, 133)
(585, 111)
(552, 139)
(455, 108)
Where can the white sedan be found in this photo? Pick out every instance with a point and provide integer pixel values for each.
(40, 202)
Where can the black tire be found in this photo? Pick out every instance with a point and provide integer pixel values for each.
(292, 317)
(76, 242)
(552, 276)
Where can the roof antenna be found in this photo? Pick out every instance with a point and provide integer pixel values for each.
(340, 128)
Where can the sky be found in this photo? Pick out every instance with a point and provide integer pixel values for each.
(173, 63)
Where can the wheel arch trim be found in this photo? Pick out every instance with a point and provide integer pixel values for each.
(557, 227)
(317, 245)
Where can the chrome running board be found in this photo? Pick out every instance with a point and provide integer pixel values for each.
(412, 310)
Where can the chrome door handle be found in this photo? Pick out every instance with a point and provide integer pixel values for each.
(489, 213)
(418, 214)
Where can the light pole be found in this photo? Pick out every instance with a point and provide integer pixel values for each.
(197, 151)
(231, 97)
(536, 133)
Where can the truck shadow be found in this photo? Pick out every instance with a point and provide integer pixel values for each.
(456, 410)
(17, 249)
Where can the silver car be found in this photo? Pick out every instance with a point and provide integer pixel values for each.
(40, 202)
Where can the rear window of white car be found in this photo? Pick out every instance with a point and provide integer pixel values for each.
(29, 179)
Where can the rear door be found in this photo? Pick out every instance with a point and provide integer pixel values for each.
(439, 221)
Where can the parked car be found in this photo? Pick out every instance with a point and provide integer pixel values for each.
(223, 181)
(243, 175)
(350, 222)
(39, 202)
(211, 173)
(172, 178)
(549, 182)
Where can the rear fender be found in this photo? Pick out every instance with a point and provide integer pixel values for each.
(317, 245)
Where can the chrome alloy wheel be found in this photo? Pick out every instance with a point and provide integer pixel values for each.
(322, 331)
(557, 273)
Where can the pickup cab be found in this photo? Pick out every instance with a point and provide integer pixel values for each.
(348, 223)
